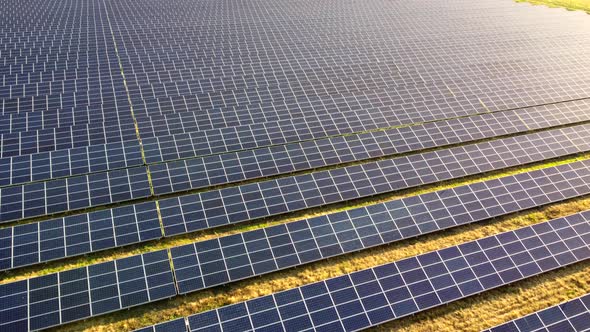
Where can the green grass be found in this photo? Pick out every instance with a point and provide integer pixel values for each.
(569, 4)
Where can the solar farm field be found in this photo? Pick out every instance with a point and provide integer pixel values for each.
(294, 165)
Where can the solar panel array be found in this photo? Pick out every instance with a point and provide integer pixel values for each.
(572, 315)
(214, 262)
(80, 234)
(369, 297)
(226, 168)
(127, 122)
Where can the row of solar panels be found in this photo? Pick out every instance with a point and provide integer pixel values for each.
(18, 77)
(96, 189)
(559, 141)
(162, 105)
(569, 316)
(370, 101)
(167, 148)
(350, 302)
(223, 113)
(23, 245)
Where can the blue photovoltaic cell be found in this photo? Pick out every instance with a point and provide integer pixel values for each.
(80, 234)
(14, 306)
(73, 193)
(373, 296)
(570, 316)
(71, 295)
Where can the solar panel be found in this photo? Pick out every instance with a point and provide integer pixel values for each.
(79, 234)
(570, 316)
(164, 148)
(25, 142)
(58, 298)
(274, 197)
(373, 296)
(48, 240)
(249, 164)
(81, 124)
(346, 113)
(72, 193)
(69, 162)
(409, 285)
(178, 325)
